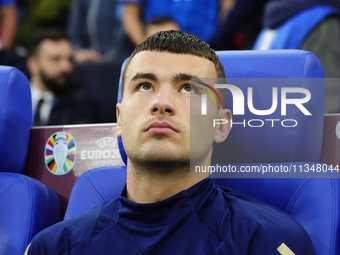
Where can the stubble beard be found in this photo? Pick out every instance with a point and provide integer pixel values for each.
(52, 84)
(165, 163)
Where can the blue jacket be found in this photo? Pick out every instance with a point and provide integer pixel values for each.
(278, 11)
(205, 219)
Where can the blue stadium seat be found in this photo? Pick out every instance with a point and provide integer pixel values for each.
(26, 205)
(264, 70)
(312, 201)
(95, 187)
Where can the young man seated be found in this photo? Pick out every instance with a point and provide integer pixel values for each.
(162, 210)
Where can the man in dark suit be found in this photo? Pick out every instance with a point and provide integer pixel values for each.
(56, 99)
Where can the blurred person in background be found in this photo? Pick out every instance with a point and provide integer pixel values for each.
(311, 25)
(96, 31)
(199, 17)
(56, 99)
(160, 24)
(8, 27)
(8, 31)
(323, 39)
(239, 29)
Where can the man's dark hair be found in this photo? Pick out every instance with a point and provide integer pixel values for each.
(177, 42)
(46, 34)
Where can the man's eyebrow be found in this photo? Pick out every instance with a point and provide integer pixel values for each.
(183, 77)
(186, 77)
(177, 77)
(149, 76)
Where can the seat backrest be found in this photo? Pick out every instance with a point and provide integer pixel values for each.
(263, 71)
(305, 199)
(95, 187)
(26, 205)
(15, 119)
(119, 100)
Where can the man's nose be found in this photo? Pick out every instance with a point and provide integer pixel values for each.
(164, 101)
(66, 65)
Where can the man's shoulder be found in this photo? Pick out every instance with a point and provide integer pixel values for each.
(261, 226)
(67, 234)
(243, 209)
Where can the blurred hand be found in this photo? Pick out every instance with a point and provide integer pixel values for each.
(87, 55)
(225, 8)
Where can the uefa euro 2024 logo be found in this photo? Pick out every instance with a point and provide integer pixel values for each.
(60, 153)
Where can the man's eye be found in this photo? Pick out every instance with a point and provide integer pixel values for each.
(145, 87)
(188, 89)
(55, 59)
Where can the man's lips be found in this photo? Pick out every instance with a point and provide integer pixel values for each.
(160, 128)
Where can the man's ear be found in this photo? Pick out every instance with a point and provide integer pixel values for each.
(32, 64)
(222, 130)
(119, 134)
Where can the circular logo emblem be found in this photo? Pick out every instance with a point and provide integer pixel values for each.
(60, 153)
(337, 130)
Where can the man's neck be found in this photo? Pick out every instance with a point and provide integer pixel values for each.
(38, 83)
(150, 188)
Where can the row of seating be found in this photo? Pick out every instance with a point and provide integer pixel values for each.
(27, 206)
